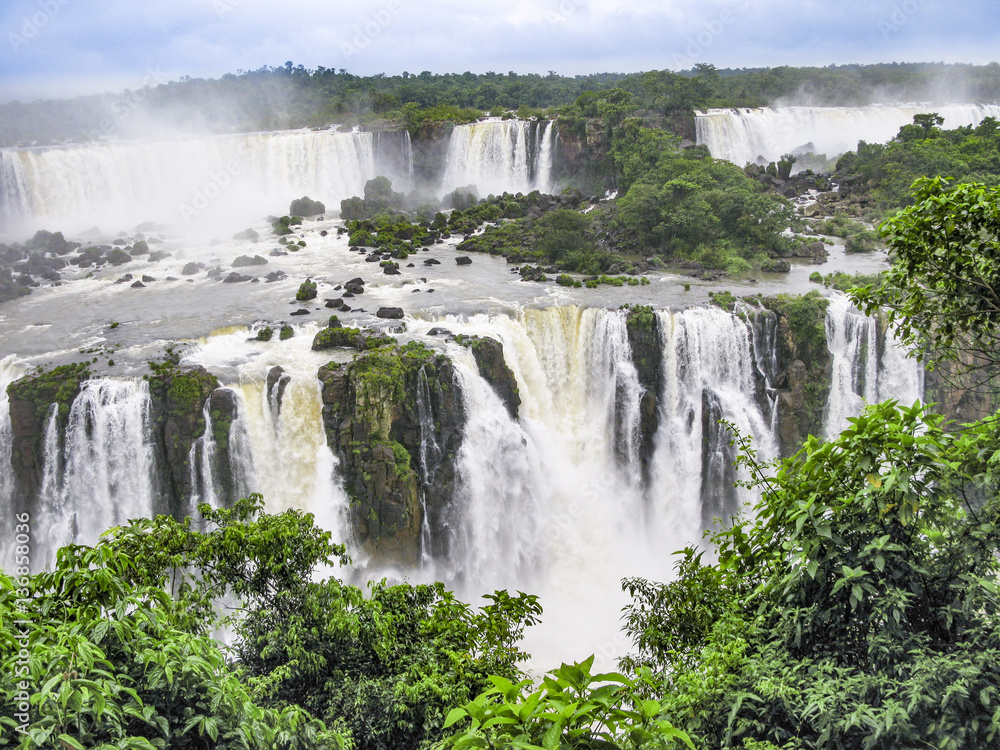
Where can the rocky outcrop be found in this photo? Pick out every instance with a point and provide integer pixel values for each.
(177, 400)
(646, 342)
(32, 400)
(494, 370)
(395, 419)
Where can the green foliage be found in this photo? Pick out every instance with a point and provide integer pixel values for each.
(816, 277)
(806, 315)
(573, 709)
(856, 607)
(307, 291)
(885, 172)
(265, 333)
(286, 333)
(941, 292)
(113, 661)
(679, 202)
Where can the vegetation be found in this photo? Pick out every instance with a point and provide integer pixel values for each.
(121, 654)
(884, 173)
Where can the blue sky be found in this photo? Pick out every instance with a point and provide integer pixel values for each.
(58, 48)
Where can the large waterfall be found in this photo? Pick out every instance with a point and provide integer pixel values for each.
(234, 178)
(764, 135)
(557, 502)
(501, 155)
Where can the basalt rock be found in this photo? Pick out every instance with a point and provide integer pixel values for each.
(395, 419)
(492, 366)
(645, 340)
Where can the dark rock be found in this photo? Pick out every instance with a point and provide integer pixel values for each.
(123, 279)
(432, 262)
(277, 381)
(247, 234)
(118, 257)
(138, 285)
(276, 276)
(306, 207)
(148, 279)
(439, 332)
(390, 313)
(463, 260)
(235, 278)
(245, 260)
(190, 269)
(300, 311)
(335, 304)
(391, 270)
(277, 253)
(492, 366)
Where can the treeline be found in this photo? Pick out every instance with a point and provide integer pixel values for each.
(292, 96)
(884, 172)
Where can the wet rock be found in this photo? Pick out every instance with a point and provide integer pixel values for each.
(390, 313)
(276, 276)
(118, 257)
(125, 278)
(492, 366)
(277, 253)
(432, 262)
(247, 234)
(463, 260)
(190, 269)
(245, 260)
(148, 279)
(306, 207)
(439, 332)
(300, 311)
(335, 304)
(236, 278)
(138, 285)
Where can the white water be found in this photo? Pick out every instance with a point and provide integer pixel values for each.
(859, 377)
(9, 372)
(200, 459)
(192, 182)
(103, 473)
(499, 156)
(764, 135)
(551, 503)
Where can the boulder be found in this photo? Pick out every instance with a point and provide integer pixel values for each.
(390, 313)
(247, 234)
(245, 260)
(463, 260)
(190, 269)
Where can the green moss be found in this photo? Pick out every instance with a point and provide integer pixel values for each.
(307, 291)
(59, 385)
(286, 333)
(724, 299)
(186, 390)
(640, 317)
(380, 372)
(265, 333)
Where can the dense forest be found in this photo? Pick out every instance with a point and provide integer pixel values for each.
(292, 96)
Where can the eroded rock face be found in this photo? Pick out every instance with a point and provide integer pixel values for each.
(176, 420)
(492, 366)
(646, 342)
(395, 418)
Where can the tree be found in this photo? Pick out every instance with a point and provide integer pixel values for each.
(857, 607)
(942, 294)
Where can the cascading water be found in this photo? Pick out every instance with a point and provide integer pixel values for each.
(184, 182)
(13, 191)
(201, 458)
(9, 372)
(865, 369)
(500, 156)
(102, 474)
(764, 135)
(393, 151)
(709, 365)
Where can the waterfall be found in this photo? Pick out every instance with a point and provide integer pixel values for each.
(498, 156)
(201, 458)
(186, 181)
(13, 191)
(852, 339)
(429, 458)
(764, 135)
(709, 362)
(865, 368)
(9, 372)
(102, 474)
(393, 152)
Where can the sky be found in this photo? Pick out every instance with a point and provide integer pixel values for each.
(63, 48)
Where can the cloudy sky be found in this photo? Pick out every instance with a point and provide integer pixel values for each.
(57, 48)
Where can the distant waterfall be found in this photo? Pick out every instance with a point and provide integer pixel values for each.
(497, 156)
(102, 474)
(13, 191)
(393, 153)
(191, 181)
(764, 135)
(860, 375)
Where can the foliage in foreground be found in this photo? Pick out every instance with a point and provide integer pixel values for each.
(860, 608)
(116, 661)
